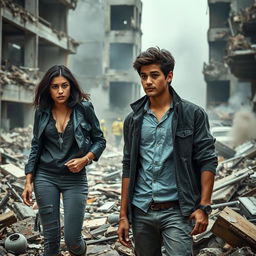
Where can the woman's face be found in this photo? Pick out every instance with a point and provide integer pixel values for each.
(60, 90)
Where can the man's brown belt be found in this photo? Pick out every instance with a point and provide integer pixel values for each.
(164, 205)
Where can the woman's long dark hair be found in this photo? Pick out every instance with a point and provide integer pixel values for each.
(42, 95)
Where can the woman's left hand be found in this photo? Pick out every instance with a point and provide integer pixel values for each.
(77, 164)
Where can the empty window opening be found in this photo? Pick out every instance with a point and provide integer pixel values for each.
(120, 94)
(218, 92)
(217, 51)
(219, 14)
(121, 56)
(122, 17)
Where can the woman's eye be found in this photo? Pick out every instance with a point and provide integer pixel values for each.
(54, 86)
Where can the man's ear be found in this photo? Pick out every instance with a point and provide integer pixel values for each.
(169, 76)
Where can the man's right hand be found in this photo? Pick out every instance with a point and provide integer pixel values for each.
(123, 232)
(27, 194)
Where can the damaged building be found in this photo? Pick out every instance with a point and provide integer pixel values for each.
(121, 46)
(33, 38)
(222, 72)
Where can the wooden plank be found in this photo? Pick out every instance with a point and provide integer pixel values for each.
(235, 229)
(7, 219)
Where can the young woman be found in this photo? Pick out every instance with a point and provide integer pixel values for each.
(66, 138)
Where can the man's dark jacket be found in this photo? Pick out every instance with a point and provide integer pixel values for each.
(193, 149)
(87, 132)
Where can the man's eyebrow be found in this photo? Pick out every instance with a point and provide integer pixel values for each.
(154, 72)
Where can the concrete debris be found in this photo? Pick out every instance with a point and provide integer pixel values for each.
(14, 148)
(214, 70)
(18, 11)
(237, 42)
(13, 75)
(235, 187)
(247, 15)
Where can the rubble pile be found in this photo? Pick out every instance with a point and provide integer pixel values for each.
(18, 11)
(12, 75)
(246, 15)
(237, 42)
(15, 145)
(214, 70)
(231, 229)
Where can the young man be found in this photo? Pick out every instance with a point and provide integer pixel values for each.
(169, 164)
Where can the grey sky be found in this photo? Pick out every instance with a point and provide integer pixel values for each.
(180, 26)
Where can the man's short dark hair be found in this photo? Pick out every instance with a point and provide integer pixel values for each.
(155, 55)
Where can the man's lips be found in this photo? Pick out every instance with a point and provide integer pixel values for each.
(61, 97)
(150, 89)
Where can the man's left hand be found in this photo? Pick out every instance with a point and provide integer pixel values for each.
(201, 221)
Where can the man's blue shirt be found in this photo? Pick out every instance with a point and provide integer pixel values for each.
(156, 177)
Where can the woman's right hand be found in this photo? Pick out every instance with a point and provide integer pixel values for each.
(27, 194)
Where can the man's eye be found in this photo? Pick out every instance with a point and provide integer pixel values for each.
(143, 77)
(154, 76)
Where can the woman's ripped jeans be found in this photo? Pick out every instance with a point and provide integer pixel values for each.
(74, 190)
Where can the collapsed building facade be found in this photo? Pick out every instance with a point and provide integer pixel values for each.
(122, 44)
(231, 38)
(32, 39)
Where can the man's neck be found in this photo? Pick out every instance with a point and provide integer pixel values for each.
(161, 102)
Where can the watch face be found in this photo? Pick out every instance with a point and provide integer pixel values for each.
(206, 208)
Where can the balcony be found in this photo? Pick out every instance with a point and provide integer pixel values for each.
(37, 26)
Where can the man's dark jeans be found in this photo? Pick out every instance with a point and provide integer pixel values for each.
(167, 227)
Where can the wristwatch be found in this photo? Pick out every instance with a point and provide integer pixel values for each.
(206, 208)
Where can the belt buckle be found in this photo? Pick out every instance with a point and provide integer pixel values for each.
(154, 208)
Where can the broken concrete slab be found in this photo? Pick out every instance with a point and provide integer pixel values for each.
(107, 207)
(95, 223)
(23, 211)
(12, 170)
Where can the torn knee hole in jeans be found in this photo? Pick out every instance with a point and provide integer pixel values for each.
(47, 218)
(47, 209)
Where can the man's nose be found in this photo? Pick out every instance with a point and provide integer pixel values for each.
(148, 81)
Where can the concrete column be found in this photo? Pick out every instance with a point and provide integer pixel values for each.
(31, 51)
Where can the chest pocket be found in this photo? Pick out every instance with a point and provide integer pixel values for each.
(184, 142)
(86, 129)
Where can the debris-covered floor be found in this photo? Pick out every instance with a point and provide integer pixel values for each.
(231, 230)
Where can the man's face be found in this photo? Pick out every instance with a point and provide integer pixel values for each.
(153, 80)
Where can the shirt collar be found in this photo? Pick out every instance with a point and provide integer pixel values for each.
(148, 110)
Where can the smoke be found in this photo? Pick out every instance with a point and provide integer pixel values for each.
(243, 129)
(180, 27)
